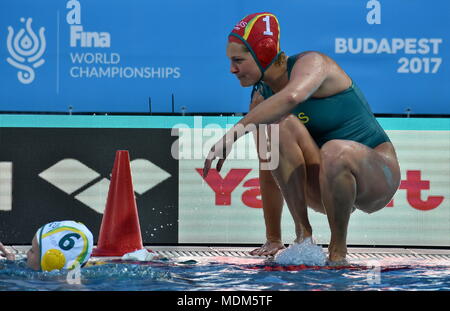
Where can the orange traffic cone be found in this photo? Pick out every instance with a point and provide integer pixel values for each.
(120, 231)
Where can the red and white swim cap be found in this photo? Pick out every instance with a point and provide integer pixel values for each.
(260, 32)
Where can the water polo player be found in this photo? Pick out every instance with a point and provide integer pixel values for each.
(60, 245)
(333, 155)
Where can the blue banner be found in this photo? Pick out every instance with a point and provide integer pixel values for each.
(142, 56)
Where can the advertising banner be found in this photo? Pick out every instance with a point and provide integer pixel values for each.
(226, 207)
(169, 56)
(58, 167)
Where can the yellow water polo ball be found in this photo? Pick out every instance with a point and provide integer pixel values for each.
(53, 259)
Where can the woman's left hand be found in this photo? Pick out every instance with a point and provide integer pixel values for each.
(8, 255)
(220, 150)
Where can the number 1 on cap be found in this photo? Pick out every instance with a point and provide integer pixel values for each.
(267, 32)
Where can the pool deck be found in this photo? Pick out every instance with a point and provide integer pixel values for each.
(367, 256)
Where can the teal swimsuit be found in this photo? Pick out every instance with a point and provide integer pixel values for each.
(345, 115)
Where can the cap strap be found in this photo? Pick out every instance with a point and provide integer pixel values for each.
(40, 245)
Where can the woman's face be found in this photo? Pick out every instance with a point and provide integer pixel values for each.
(243, 66)
(33, 256)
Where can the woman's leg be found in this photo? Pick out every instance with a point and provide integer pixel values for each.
(291, 178)
(297, 173)
(272, 200)
(354, 175)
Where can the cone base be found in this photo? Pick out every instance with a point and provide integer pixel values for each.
(101, 252)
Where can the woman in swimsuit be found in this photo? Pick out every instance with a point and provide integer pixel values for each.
(333, 155)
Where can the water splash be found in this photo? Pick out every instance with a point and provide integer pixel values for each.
(304, 253)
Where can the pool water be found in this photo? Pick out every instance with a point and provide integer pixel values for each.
(195, 275)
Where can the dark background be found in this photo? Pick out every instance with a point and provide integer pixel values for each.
(37, 202)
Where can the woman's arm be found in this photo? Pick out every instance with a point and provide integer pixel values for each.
(307, 76)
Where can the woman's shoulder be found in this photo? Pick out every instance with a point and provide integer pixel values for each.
(308, 54)
(315, 59)
(335, 79)
(306, 58)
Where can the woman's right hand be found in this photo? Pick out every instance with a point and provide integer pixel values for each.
(269, 248)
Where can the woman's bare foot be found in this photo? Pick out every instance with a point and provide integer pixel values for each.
(338, 262)
(302, 238)
(337, 256)
(269, 248)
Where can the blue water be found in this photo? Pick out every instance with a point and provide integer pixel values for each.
(196, 276)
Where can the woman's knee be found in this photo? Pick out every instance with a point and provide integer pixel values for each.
(288, 148)
(373, 206)
(337, 155)
(293, 134)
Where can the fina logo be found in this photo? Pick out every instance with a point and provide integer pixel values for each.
(26, 50)
(77, 33)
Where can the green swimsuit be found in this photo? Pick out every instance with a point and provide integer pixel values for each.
(345, 115)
